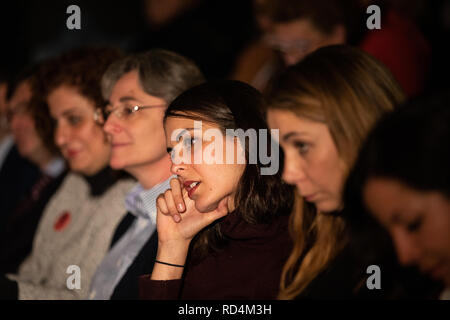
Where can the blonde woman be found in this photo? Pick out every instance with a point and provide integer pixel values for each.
(324, 107)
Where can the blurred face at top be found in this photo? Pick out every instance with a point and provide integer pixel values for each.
(81, 140)
(22, 123)
(135, 125)
(418, 222)
(296, 39)
(207, 183)
(312, 161)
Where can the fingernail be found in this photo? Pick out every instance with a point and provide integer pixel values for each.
(176, 218)
(180, 207)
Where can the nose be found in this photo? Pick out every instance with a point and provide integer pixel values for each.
(408, 252)
(177, 168)
(61, 135)
(112, 125)
(293, 172)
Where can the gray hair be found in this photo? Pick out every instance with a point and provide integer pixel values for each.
(162, 73)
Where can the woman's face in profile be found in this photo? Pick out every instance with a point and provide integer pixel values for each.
(81, 140)
(418, 222)
(312, 162)
(200, 161)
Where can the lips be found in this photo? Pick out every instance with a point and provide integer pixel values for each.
(310, 198)
(191, 186)
(72, 153)
(118, 145)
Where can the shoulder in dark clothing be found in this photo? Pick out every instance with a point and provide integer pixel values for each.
(346, 278)
(17, 177)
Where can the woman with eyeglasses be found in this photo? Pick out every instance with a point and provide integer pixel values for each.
(138, 89)
(77, 225)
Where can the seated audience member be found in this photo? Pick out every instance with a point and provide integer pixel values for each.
(296, 28)
(324, 107)
(17, 173)
(17, 233)
(222, 227)
(402, 178)
(258, 62)
(77, 225)
(139, 88)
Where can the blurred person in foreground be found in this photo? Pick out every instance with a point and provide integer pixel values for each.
(402, 178)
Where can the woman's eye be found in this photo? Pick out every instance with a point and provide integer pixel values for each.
(302, 147)
(189, 142)
(128, 111)
(74, 120)
(415, 225)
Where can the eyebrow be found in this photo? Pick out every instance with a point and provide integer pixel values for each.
(184, 131)
(291, 134)
(69, 111)
(129, 98)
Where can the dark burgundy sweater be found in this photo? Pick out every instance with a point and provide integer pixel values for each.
(248, 267)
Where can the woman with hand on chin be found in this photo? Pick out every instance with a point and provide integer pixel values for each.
(222, 228)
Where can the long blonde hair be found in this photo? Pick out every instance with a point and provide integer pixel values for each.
(348, 90)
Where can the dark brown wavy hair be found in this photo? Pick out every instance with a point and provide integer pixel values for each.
(81, 69)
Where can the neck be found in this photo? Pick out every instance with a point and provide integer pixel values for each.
(153, 173)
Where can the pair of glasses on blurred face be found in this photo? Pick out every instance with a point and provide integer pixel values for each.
(293, 46)
(124, 112)
(20, 108)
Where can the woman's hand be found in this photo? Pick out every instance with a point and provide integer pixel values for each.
(177, 227)
(178, 220)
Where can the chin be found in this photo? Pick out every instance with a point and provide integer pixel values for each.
(116, 164)
(24, 151)
(327, 206)
(205, 207)
(82, 168)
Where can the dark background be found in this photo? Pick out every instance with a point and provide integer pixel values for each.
(212, 34)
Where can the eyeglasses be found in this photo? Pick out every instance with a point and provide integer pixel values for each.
(124, 112)
(20, 108)
(298, 45)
